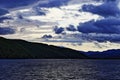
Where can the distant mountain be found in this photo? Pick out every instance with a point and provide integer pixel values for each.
(109, 54)
(22, 49)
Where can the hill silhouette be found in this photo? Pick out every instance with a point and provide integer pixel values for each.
(20, 49)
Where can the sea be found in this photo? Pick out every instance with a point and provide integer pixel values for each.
(59, 69)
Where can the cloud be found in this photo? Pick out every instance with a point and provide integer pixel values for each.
(106, 9)
(106, 0)
(105, 38)
(4, 18)
(107, 25)
(39, 11)
(41, 3)
(107, 29)
(101, 37)
(6, 30)
(58, 30)
(46, 36)
(16, 3)
(71, 28)
(54, 3)
(3, 12)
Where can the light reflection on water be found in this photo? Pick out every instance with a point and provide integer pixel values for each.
(55, 69)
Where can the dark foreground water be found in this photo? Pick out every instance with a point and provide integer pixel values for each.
(59, 69)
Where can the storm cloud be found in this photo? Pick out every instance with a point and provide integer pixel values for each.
(15, 3)
(106, 29)
(101, 37)
(108, 26)
(58, 30)
(3, 12)
(4, 18)
(106, 9)
(71, 28)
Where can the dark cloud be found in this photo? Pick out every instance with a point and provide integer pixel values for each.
(20, 16)
(97, 37)
(46, 36)
(54, 3)
(106, 0)
(107, 29)
(71, 28)
(19, 3)
(3, 12)
(108, 26)
(58, 30)
(4, 18)
(39, 11)
(15, 3)
(101, 37)
(106, 9)
(6, 30)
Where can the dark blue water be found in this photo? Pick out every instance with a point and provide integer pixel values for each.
(59, 69)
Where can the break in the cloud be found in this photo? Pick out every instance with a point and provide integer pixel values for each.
(106, 9)
(107, 25)
(6, 30)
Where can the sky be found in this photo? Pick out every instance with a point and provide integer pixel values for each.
(85, 25)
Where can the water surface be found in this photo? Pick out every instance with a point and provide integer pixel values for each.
(55, 69)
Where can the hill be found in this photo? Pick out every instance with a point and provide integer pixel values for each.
(20, 49)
